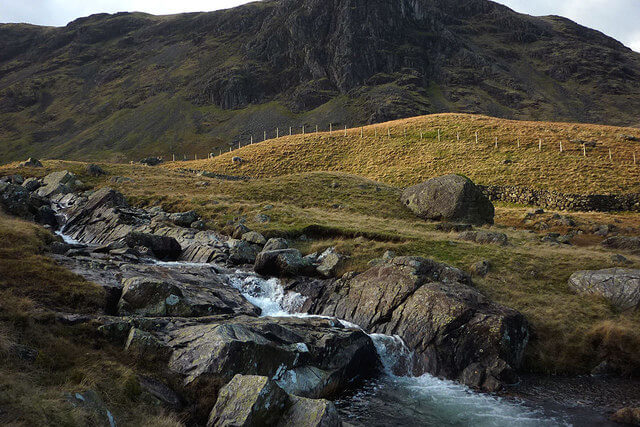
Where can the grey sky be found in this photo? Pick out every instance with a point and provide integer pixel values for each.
(617, 18)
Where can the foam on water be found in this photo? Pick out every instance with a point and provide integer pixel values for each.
(424, 400)
(68, 239)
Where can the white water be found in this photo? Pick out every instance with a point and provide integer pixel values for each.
(398, 399)
(67, 239)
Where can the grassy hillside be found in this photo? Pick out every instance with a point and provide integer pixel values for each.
(405, 152)
(364, 218)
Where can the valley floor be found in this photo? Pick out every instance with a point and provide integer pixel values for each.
(361, 218)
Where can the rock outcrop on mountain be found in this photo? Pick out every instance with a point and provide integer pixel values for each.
(119, 85)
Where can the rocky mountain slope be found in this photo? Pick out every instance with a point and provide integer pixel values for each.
(116, 86)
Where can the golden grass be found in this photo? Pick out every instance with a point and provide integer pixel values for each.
(406, 160)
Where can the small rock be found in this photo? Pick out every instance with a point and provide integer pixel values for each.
(254, 237)
(32, 162)
(276, 243)
(198, 225)
(237, 160)
(184, 219)
(484, 237)
(617, 258)
(95, 170)
(202, 184)
(630, 416)
(262, 218)
(388, 255)
(239, 230)
(481, 268)
(330, 263)
(631, 244)
(242, 252)
(32, 184)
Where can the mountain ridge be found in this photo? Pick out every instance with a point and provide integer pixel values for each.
(129, 84)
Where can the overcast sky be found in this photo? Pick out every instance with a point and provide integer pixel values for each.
(617, 18)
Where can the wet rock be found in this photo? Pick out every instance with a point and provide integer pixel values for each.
(330, 263)
(255, 238)
(249, 400)
(306, 412)
(32, 184)
(163, 247)
(95, 170)
(47, 216)
(13, 179)
(62, 182)
(145, 296)
(449, 198)
(434, 309)
(309, 357)
(184, 219)
(32, 162)
(276, 243)
(485, 237)
(624, 243)
(17, 200)
(283, 263)
(481, 268)
(242, 252)
(618, 285)
(629, 416)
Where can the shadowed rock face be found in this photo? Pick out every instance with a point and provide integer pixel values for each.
(621, 286)
(453, 329)
(449, 198)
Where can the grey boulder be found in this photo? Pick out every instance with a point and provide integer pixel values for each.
(163, 247)
(449, 198)
(620, 286)
(283, 263)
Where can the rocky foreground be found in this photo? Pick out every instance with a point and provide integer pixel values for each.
(180, 296)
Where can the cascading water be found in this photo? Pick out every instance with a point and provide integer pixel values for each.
(396, 398)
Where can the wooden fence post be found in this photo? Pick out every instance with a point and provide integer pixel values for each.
(476, 138)
(518, 142)
(458, 136)
(251, 139)
(438, 135)
(265, 136)
(290, 131)
(345, 131)
(421, 135)
(496, 144)
(540, 144)
(361, 131)
(174, 157)
(303, 129)
(610, 158)
(330, 129)
(316, 129)
(277, 132)
(584, 150)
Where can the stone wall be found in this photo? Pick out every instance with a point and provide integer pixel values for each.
(554, 200)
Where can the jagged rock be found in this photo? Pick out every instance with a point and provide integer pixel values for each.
(282, 262)
(255, 238)
(146, 345)
(310, 357)
(449, 198)
(163, 247)
(620, 286)
(484, 237)
(61, 182)
(32, 184)
(13, 179)
(95, 170)
(330, 263)
(184, 219)
(629, 416)
(17, 200)
(242, 252)
(249, 400)
(239, 230)
(32, 162)
(276, 243)
(617, 258)
(198, 225)
(434, 309)
(145, 296)
(631, 244)
(47, 216)
(481, 268)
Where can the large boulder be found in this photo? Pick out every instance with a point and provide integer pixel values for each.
(450, 326)
(249, 400)
(283, 263)
(309, 357)
(17, 200)
(145, 296)
(61, 182)
(184, 219)
(242, 252)
(163, 247)
(449, 198)
(621, 286)
(276, 243)
(330, 262)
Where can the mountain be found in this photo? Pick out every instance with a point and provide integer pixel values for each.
(114, 87)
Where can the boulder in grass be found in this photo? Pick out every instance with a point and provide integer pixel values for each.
(621, 286)
(449, 198)
(276, 243)
(61, 182)
(32, 162)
